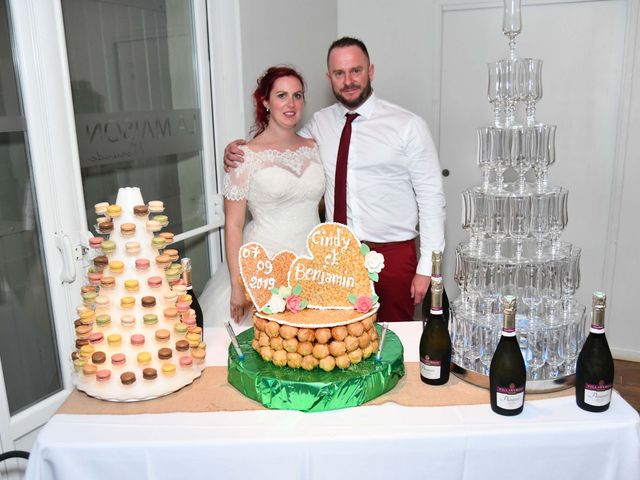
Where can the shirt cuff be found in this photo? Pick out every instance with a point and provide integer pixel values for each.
(424, 265)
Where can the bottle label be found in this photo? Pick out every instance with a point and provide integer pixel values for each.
(597, 395)
(596, 329)
(510, 398)
(430, 368)
(436, 311)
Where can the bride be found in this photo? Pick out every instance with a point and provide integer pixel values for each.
(280, 183)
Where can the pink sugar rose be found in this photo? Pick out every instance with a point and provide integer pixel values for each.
(293, 303)
(363, 304)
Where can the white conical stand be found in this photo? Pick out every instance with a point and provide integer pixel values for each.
(141, 389)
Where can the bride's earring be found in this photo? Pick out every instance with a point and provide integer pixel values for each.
(268, 111)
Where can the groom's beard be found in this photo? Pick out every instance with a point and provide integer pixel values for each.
(359, 100)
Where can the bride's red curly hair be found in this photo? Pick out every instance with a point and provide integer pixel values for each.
(262, 92)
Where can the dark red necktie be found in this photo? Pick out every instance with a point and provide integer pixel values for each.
(340, 199)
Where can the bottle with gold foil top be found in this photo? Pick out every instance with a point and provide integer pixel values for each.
(435, 342)
(436, 271)
(594, 368)
(186, 278)
(507, 373)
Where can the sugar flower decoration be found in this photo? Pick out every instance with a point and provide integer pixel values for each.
(294, 303)
(276, 304)
(363, 304)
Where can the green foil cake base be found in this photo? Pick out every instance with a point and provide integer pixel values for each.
(285, 388)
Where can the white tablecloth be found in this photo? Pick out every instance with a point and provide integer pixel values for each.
(551, 439)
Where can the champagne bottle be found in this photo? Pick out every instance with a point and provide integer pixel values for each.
(436, 272)
(507, 373)
(186, 277)
(594, 368)
(435, 342)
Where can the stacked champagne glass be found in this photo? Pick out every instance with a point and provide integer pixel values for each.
(514, 245)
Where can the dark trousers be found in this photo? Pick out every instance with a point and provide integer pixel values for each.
(394, 285)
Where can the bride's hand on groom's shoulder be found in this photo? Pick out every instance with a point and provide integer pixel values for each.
(233, 156)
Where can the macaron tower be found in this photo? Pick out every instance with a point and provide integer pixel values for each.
(136, 337)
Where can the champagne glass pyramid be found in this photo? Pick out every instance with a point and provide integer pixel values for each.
(515, 229)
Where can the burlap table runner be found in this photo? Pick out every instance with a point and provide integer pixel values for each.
(212, 393)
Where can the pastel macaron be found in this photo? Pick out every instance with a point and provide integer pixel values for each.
(114, 211)
(168, 237)
(163, 261)
(170, 313)
(153, 226)
(95, 242)
(128, 378)
(137, 339)
(131, 285)
(118, 359)
(163, 220)
(173, 254)
(108, 282)
(127, 229)
(198, 355)
(106, 226)
(144, 358)
(132, 247)
(102, 301)
(157, 242)
(127, 320)
(108, 246)
(140, 210)
(116, 266)
(114, 339)
(168, 369)
(127, 302)
(165, 353)
(96, 338)
(101, 208)
(103, 320)
(98, 358)
(186, 362)
(180, 329)
(162, 335)
(154, 281)
(103, 375)
(148, 301)
(142, 263)
(170, 297)
(156, 206)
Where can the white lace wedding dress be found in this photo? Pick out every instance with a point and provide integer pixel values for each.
(283, 190)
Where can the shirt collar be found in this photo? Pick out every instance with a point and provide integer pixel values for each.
(365, 110)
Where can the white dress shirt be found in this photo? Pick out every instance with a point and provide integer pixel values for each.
(393, 174)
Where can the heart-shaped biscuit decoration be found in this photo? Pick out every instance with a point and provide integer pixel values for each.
(335, 269)
(260, 273)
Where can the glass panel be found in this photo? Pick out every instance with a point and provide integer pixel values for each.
(27, 340)
(133, 76)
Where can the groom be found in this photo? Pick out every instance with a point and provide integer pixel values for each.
(382, 177)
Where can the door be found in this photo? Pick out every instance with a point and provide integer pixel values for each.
(95, 95)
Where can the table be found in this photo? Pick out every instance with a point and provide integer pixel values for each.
(552, 439)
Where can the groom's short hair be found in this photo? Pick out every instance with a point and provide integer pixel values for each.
(348, 42)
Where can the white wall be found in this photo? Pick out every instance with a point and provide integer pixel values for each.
(293, 32)
(399, 36)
